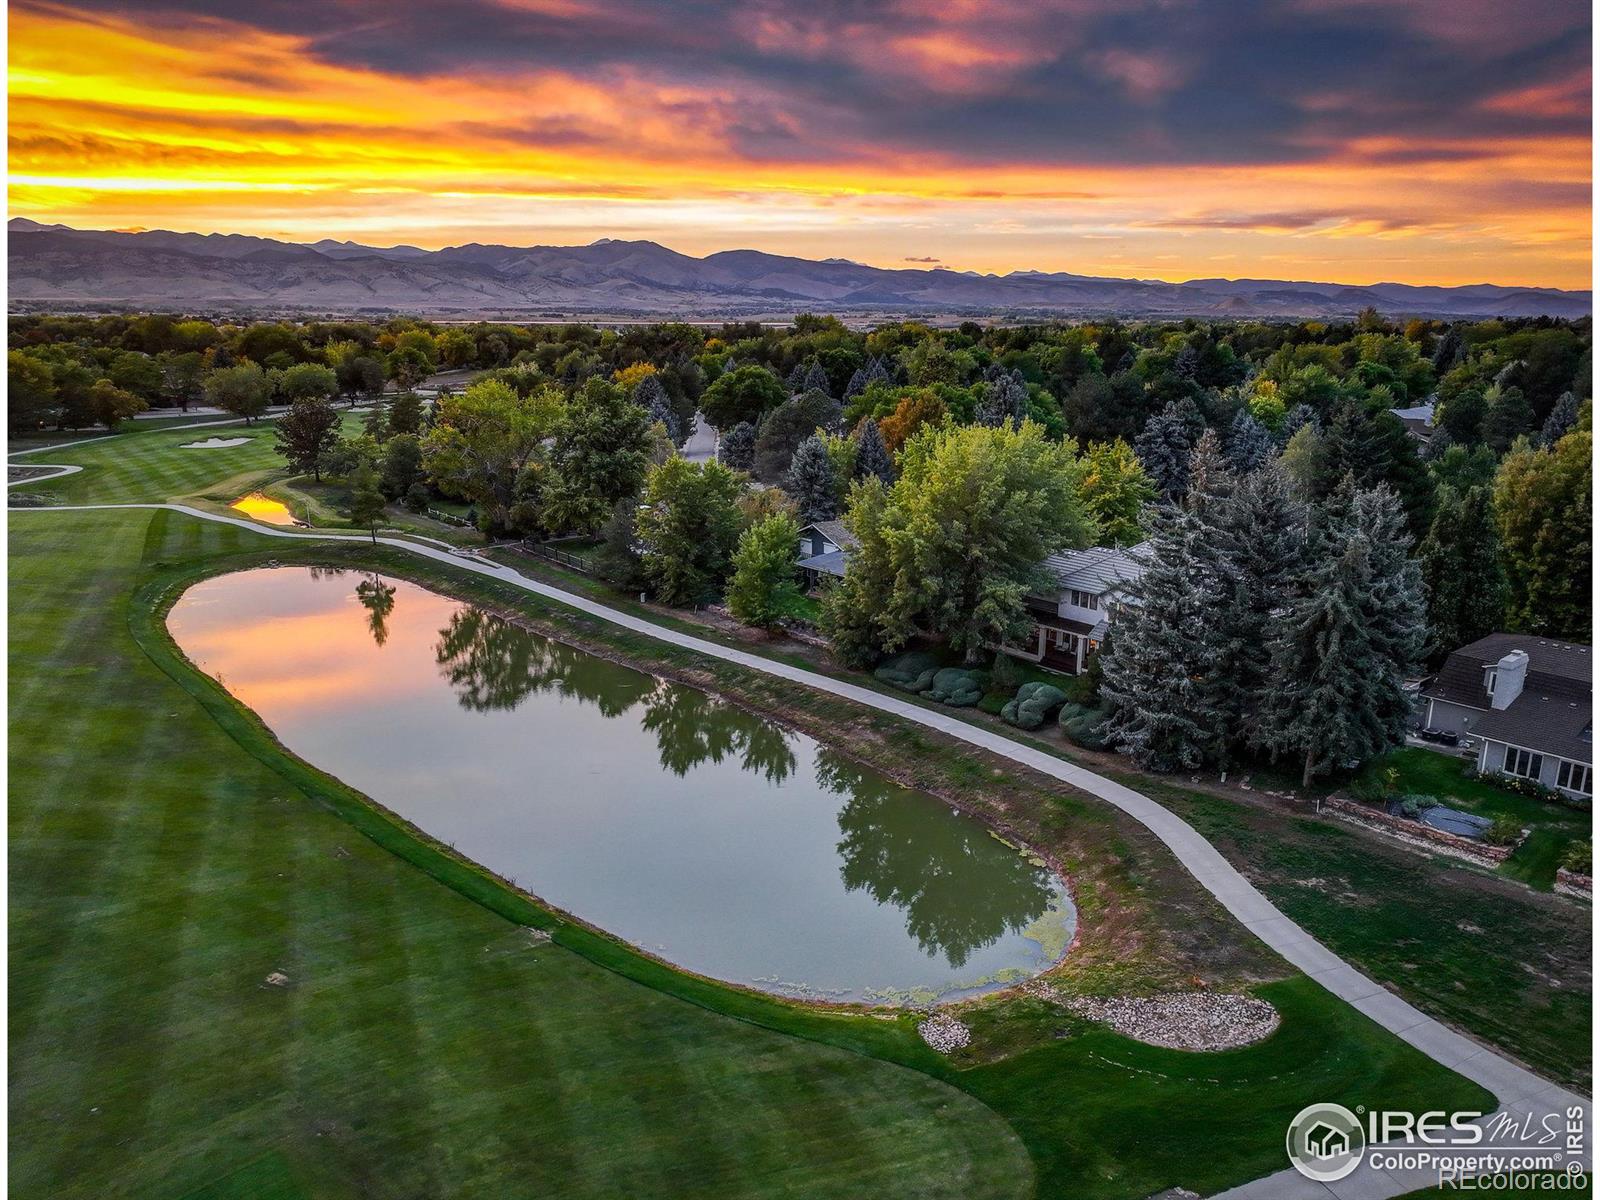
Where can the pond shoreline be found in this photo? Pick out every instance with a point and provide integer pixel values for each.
(694, 681)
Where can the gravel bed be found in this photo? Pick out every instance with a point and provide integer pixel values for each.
(1183, 1020)
(944, 1033)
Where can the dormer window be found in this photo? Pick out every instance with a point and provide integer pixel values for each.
(1488, 681)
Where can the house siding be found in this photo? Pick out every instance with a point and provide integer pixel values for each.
(1457, 718)
(1492, 760)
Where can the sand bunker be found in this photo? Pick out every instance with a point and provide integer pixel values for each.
(214, 443)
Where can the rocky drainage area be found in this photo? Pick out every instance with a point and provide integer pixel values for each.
(1182, 1020)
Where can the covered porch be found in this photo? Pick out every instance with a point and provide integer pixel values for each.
(1058, 643)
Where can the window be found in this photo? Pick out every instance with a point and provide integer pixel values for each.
(1084, 599)
(1523, 763)
(1574, 777)
(1488, 683)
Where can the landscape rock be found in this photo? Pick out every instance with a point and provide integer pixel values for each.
(1183, 1020)
(944, 1033)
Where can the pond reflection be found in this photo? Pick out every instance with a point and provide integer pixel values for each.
(688, 826)
(927, 869)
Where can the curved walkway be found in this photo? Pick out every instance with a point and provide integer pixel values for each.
(1517, 1090)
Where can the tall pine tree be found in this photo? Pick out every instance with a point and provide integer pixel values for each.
(872, 456)
(812, 483)
(1341, 649)
(1163, 447)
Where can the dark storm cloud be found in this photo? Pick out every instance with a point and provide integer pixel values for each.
(1084, 81)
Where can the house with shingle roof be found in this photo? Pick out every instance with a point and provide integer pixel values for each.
(1070, 621)
(1528, 703)
(824, 546)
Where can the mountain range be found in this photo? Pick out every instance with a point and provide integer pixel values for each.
(60, 268)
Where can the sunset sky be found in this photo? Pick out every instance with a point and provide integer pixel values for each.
(1351, 140)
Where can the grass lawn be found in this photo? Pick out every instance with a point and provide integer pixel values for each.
(159, 873)
(1483, 953)
(1450, 779)
(150, 465)
(167, 856)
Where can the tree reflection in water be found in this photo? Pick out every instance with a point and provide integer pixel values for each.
(691, 728)
(956, 898)
(377, 597)
(494, 664)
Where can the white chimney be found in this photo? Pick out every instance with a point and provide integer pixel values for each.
(1506, 679)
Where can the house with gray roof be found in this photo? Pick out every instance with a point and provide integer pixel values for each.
(1527, 703)
(1071, 619)
(824, 546)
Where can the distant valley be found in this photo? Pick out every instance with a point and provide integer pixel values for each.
(57, 267)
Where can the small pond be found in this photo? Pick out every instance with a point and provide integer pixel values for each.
(687, 826)
(264, 508)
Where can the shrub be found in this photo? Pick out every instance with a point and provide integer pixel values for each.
(1531, 788)
(1007, 673)
(1577, 858)
(957, 688)
(1506, 831)
(912, 671)
(1083, 724)
(1033, 705)
(416, 498)
(1414, 805)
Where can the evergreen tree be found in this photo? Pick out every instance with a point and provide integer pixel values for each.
(872, 456)
(1341, 649)
(650, 395)
(1375, 449)
(786, 427)
(1296, 419)
(1264, 530)
(1210, 480)
(307, 433)
(1461, 570)
(816, 380)
(1561, 420)
(1004, 398)
(1163, 448)
(812, 483)
(1250, 444)
(858, 383)
(1448, 352)
(737, 450)
(764, 589)
(1163, 673)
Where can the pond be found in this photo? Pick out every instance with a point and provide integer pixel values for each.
(264, 508)
(689, 827)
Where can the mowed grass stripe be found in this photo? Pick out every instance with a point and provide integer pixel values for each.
(159, 873)
(151, 465)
